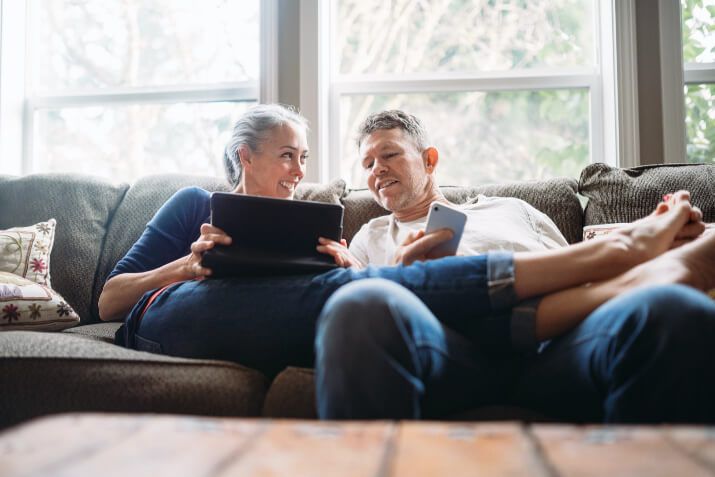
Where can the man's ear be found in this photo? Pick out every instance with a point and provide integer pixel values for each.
(431, 158)
(244, 156)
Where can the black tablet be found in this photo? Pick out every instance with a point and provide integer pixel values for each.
(271, 236)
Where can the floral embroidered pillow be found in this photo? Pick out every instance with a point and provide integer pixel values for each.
(25, 251)
(26, 305)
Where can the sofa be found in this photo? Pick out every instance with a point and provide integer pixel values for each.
(81, 369)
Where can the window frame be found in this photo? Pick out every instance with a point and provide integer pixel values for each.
(613, 136)
(18, 104)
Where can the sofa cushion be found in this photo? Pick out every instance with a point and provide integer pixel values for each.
(555, 197)
(97, 331)
(148, 194)
(47, 373)
(624, 195)
(82, 206)
(291, 395)
(25, 251)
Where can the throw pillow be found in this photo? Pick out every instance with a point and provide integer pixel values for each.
(27, 305)
(25, 251)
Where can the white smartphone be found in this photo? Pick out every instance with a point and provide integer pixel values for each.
(443, 216)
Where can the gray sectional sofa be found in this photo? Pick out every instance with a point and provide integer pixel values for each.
(80, 369)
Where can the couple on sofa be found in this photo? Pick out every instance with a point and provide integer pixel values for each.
(612, 329)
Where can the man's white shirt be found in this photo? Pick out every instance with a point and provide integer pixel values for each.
(493, 224)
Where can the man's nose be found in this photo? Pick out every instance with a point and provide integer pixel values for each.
(379, 168)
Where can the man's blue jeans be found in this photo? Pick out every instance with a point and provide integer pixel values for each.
(646, 356)
(269, 323)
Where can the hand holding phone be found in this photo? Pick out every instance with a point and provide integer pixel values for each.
(443, 216)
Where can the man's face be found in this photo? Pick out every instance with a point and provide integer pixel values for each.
(396, 172)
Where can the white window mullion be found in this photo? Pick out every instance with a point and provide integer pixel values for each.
(314, 84)
(622, 77)
(268, 51)
(245, 91)
(699, 73)
(12, 85)
(507, 81)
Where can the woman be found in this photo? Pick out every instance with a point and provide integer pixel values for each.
(268, 323)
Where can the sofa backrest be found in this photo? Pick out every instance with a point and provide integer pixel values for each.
(555, 197)
(82, 206)
(624, 195)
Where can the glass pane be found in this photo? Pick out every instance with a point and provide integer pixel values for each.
(410, 36)
(87, 44)
(698, 31)
(485, 137)
(123, 143)
(700, 122)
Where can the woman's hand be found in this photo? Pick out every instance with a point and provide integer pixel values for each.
(210, 237)
(419, 247)
(339, 251)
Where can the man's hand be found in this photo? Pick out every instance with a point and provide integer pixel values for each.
(210, 236)
(418, 246)
(339, 251)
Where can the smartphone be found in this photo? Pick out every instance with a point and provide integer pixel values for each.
(443, 216)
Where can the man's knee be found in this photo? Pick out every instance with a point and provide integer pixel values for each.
(672, 317)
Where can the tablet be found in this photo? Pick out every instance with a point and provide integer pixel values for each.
(271, 236)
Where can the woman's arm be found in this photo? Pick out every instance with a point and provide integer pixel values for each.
(121, 292)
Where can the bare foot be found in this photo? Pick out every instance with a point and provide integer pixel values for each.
(692, 264)
(691, 230)
(656, 233)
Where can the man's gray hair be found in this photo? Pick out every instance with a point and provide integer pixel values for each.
(251, 130)
(394, 119)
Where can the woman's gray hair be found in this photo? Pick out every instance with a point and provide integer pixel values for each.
(251, 130)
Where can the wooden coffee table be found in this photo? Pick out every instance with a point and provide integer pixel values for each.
(157, 445)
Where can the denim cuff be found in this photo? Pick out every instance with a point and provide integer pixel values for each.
(500, 280)
(523, 325)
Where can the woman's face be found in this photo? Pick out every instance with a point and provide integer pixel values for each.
(279, 165)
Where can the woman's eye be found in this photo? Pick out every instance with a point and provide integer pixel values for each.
(389, 155)
(303, 159)
(287, 155)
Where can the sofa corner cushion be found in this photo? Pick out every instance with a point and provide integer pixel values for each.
(291, 395)
(58, 372)
(624, 195)
(82, 206)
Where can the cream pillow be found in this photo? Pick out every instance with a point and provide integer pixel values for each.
(26, 305)
(25, 251)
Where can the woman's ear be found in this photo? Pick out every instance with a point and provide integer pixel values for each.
(244, 155)
(431, 158)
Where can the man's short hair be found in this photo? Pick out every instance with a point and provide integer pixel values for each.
(394, 119)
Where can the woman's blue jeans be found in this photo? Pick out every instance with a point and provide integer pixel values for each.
(269, 323)
(645, 356)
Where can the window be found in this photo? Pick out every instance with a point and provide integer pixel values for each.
(124, 88)
(698, 25)
(507, 89)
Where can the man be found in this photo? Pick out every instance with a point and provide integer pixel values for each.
(400, 167)
(381, 353)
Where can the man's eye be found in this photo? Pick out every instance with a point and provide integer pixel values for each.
(389, 155)
(368, 165)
